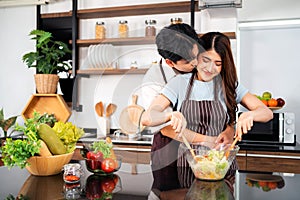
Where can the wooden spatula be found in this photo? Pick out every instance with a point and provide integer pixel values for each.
(110, 109)
(99, 108)
(227, 154)
(187, 144)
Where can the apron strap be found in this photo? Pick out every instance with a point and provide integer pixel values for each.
(162, 71)
(190, 85)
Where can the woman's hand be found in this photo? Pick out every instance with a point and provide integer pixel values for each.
(244, 124)
(226, 137)
(178, 122)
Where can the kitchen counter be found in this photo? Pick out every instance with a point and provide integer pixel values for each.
(138, 186)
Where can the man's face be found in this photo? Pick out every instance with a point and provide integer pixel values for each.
(184, 66)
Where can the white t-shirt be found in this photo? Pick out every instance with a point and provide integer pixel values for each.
(175, 90)
(153, 83)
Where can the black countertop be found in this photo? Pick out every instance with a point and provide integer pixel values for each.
(138, 186)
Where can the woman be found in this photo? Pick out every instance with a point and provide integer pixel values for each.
(207, 100)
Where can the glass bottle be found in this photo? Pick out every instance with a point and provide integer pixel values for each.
(100, 30)
(123, 29)
(150, 29)
(176, 20)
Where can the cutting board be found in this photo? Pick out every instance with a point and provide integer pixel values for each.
(130, 117)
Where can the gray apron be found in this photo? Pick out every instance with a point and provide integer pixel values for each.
(164, 152)
(207, 117)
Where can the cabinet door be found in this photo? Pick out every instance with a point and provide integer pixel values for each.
(241, 160)
(134, 153)
(273, 161)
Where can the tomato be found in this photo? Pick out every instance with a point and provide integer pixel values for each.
(272, 103)
(108, 165)
(108, 184)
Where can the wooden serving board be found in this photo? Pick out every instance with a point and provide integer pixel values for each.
(129, 120)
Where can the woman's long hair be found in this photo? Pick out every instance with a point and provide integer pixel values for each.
(221, 44)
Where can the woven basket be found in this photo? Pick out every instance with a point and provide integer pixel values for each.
(46, 83)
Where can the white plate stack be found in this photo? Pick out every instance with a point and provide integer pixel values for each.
(101, 56)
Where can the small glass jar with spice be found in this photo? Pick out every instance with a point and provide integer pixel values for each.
(123, 29)
(176, 20)
(150, 29)
(100, 30)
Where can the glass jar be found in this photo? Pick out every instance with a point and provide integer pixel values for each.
(176, 20)
(72, 173)
(123, 29)
(100, 30)
(150, 29)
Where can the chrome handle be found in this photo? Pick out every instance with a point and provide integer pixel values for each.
(272, 156)
(131, 149)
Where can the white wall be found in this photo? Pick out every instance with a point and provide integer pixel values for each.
(269, 49)
(16, 80)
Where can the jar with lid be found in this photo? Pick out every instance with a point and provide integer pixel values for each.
(150, 29)
(123, 29)
(176, 20)
(100, 30)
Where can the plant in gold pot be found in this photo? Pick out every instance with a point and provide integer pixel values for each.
(48, 60)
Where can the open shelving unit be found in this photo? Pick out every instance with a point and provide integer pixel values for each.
(133, 10)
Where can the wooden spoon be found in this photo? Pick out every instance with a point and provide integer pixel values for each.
(110, 109)
(187, 144)
(99, 108)
(231, 147)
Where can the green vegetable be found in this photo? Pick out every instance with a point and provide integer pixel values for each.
(68, 133)
(16, 152)
(48, 135)
(103, 147)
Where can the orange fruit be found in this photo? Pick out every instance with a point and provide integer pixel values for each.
(272, 185)
(265, 102)
(272, 102)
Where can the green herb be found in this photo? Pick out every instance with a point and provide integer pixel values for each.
(68, 133)
(5, 124)
(102, 146)
(16, 152)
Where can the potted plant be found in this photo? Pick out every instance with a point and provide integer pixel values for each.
(48, 60)
(5, 124)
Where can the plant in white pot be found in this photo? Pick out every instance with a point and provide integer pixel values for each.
(47, 59)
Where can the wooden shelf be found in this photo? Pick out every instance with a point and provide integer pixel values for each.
(111, 71)
(130, 41)
(143, 9)
(117, 41)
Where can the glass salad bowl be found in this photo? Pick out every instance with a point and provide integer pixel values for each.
(211, 164)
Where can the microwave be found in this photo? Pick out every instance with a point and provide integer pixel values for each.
(279, 130)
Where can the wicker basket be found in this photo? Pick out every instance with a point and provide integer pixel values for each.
(46, 83)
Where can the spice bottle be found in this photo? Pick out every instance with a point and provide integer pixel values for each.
(176, 20)
(100, 30)
(150, 29)
(123, 29)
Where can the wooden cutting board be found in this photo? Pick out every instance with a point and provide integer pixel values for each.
(130, 117)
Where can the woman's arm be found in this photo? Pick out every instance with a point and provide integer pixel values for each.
(258, 111)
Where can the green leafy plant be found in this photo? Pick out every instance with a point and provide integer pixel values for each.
(5, 124)
(16, 152)
(47, 58)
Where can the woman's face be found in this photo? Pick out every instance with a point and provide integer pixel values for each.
(209, 65)
(184, 66)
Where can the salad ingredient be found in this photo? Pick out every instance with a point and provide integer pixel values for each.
(53, 142)
(44, 151)
(68, 133)
(108, 165)
(212, 166)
